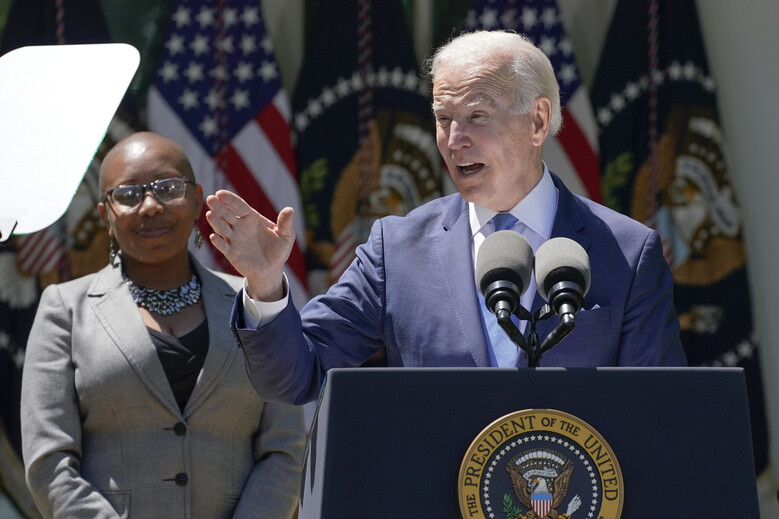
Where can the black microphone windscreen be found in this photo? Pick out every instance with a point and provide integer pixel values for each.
(561, 259)
(504, 255)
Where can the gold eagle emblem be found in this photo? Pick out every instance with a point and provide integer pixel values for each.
(542, 472)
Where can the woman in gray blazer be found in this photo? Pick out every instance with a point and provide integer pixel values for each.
(136, 402)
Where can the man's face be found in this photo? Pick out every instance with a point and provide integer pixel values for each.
(488, 147)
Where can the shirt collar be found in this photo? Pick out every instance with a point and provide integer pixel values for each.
(537, 210)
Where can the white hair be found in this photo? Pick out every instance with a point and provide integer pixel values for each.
(528, 68)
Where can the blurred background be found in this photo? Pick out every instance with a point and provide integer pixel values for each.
(670, 117)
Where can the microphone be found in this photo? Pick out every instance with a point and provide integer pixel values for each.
(562, 269)
(503, 268)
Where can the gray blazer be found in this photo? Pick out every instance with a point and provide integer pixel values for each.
(102, 435)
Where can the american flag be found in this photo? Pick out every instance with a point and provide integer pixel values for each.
(218, 93)
(573, 153)
(40, 252)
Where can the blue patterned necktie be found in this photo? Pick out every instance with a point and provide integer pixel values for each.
(504, 221)
(503, 351)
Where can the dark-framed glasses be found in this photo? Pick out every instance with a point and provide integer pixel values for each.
(168, 191)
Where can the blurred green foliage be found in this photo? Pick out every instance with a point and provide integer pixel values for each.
(142, 24)
(5, 6)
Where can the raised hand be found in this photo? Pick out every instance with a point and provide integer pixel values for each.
(255, 246)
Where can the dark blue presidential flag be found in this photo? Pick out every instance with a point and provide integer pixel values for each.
(54, 22)
(365, 140)
(664, 163)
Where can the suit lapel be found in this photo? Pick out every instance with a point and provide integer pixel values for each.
(569, 223)
(119, 316)
(218, 298)
(453, 252)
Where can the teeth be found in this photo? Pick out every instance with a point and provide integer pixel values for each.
(469, 167)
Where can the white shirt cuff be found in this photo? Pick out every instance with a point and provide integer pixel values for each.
(258, 313)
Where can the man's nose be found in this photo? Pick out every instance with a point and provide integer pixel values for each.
(458, 136)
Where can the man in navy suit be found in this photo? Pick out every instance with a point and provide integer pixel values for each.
(411, 291)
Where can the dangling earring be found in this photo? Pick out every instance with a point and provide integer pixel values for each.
(198, 238)
(111, 251)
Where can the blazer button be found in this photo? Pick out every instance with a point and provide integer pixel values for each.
(181, 479)
(180, 429)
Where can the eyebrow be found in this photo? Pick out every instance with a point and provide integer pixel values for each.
(477, 99)
(481, 99)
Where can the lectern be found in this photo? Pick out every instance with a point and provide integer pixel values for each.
(400, 442)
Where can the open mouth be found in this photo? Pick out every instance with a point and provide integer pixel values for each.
(470, 168)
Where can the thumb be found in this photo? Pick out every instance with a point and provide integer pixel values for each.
(285, 224)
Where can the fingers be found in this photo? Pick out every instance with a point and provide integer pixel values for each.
(233, 202)
(220, 243)
(217, 217)
(231, 217)
(226, 210)
(227, 205)
(255, 246)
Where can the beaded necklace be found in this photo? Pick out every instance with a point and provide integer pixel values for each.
(165, 302)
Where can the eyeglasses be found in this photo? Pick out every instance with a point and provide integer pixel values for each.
(169, 191)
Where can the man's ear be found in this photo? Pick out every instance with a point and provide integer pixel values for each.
(540, 117)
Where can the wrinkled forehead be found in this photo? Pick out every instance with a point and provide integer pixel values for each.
(471, 85)
(467, 99)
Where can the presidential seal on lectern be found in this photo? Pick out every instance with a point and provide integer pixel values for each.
(540, 463)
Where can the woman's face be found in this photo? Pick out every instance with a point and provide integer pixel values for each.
(154, 232)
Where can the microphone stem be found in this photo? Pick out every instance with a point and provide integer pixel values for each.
(567, 323)
(505, 322)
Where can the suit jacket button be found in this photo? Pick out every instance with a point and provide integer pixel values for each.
(180, 429)
(181, 479)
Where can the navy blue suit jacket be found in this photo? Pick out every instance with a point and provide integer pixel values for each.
(411, 290)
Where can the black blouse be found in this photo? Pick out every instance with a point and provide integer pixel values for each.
(182, 359)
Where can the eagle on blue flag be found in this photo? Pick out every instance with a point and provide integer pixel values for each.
(365, 139)
(664, 163)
